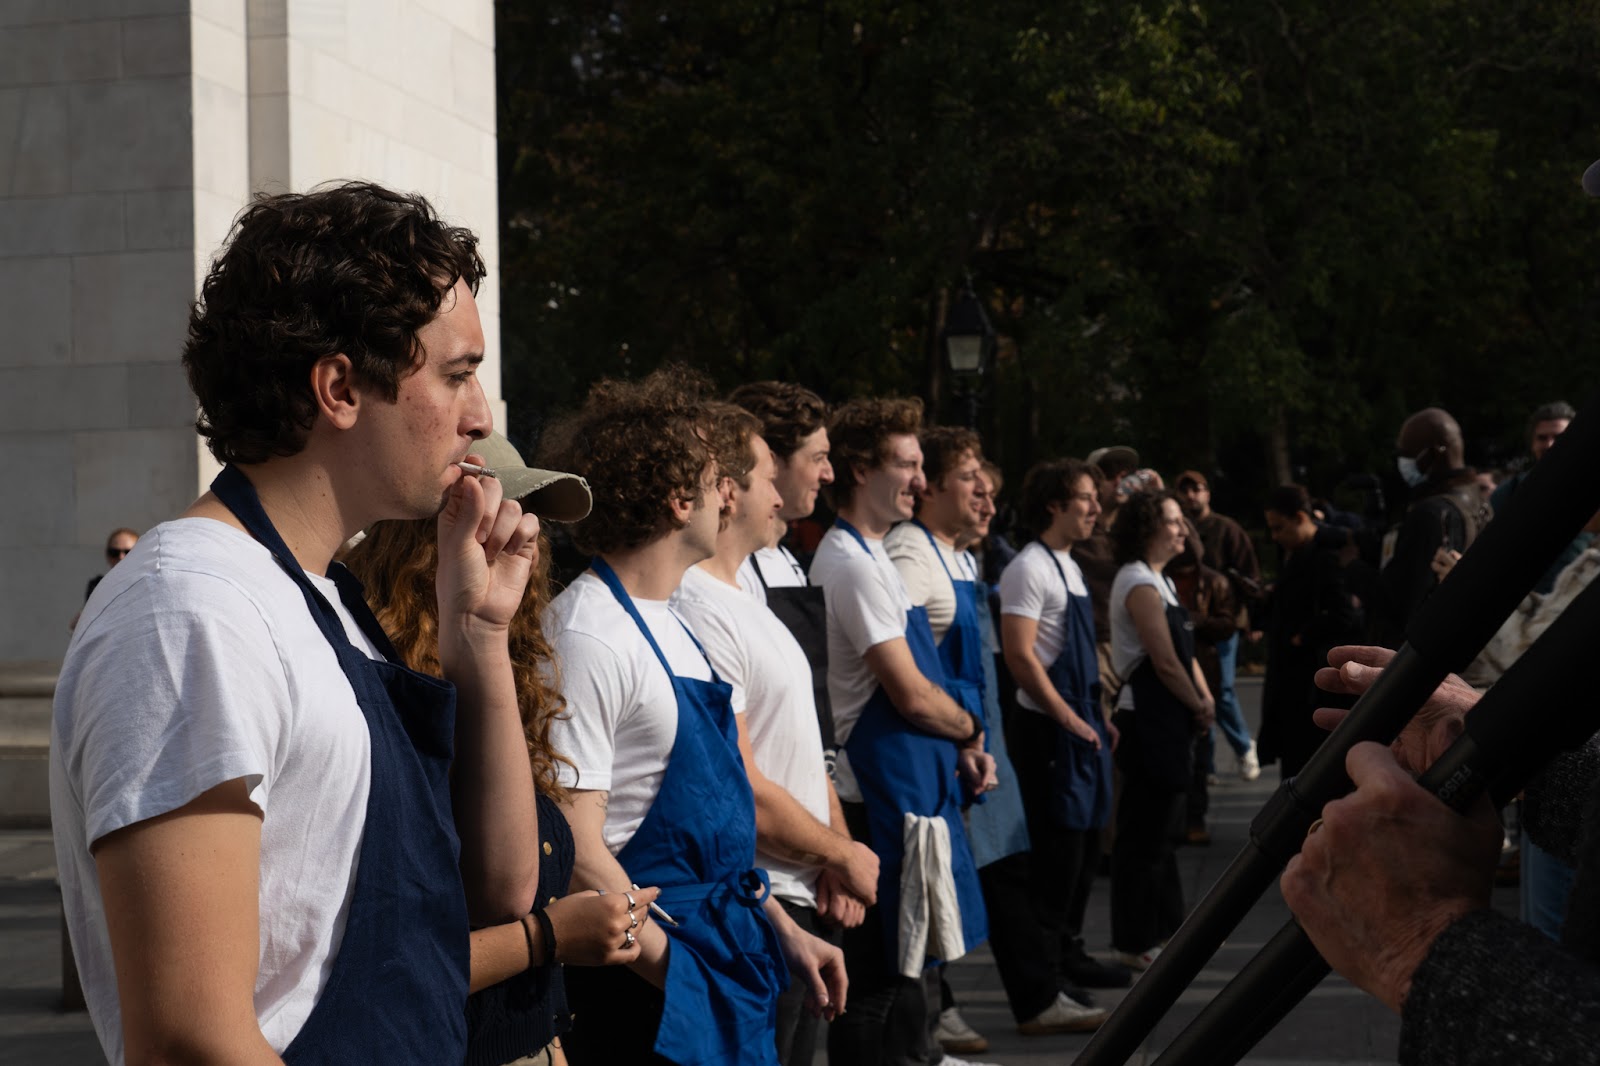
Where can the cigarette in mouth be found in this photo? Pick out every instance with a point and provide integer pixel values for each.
(476, 470)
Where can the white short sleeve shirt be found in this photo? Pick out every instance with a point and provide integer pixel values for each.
(622, 712)
(197, 662)
(754, 652)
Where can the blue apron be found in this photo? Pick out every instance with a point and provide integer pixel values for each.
(397, 989)
(1081, 775)
(998, 827)
(725, 969)
(962, 650)
(902, 770)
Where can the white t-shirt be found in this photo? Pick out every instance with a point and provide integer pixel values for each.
(197, 662)
(755, 653)
(1126, 650)
(622, 714)
(779, 568)
(867, 605)
(1030, 587)
(927, 582)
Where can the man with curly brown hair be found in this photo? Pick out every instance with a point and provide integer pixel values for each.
(257, 809)
(657, 790)
(909, 748)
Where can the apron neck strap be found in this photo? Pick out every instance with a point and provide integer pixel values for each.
(938, 553)
(239, 496)
(761, 579)
(603, 571)
(1050, 553)
(854, 532)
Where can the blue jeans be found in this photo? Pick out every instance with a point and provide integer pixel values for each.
(1546, 884)
(1230, 716)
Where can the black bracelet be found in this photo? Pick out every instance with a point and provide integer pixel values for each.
(549, 936)
(977, 728)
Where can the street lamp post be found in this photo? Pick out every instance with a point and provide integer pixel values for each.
(968, 342)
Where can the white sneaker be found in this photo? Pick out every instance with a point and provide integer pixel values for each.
(1140, 961)
(1065, 1015)
(1249, 765)
(954, 1034)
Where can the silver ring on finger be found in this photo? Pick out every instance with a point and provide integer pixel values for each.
(631, 903)
(633, 920)
(628, 939)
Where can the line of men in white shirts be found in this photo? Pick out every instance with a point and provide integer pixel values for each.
(882, 660)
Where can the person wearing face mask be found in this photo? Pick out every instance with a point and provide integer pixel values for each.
(1446, 513)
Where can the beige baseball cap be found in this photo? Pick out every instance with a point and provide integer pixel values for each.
(551, 494)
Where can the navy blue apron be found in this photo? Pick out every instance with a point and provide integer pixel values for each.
(902, 770)
(725, 969)
(1081, 775)
(398, 986)
(1165, 726)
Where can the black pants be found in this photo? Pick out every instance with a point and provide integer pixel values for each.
(1016, 937)
(797, 1027)
(1146, 893)
(890, 1019)
(1061, 867)
(615, 1016)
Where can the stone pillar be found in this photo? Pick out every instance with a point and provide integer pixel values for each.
(131, 133)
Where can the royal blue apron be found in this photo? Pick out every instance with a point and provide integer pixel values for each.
(397, 990)
(961, 651)
(725, 969)
(999, 826)
(902, 770)
(1081, 773)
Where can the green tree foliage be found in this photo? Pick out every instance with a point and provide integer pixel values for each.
(1200, 227)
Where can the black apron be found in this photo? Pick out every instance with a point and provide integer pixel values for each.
(1163, 726)
(804, 612)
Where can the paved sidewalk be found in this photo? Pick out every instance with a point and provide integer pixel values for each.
(1336, 1026)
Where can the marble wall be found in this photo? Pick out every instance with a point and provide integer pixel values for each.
(131, 133)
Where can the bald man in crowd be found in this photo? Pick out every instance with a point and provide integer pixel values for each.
(1446, 511)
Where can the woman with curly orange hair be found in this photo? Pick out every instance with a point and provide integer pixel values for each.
(518, 1006)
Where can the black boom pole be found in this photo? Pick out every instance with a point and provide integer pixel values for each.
(1545, 704)
(1560, 495)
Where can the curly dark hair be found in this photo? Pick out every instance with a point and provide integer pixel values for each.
(858, 434)
(943, 447)
(351, 268)
(1138, 521)
(397, 562)
(788, 413)
(1289, 500)
(641, 445)
(729, 428)
(1052, 481)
